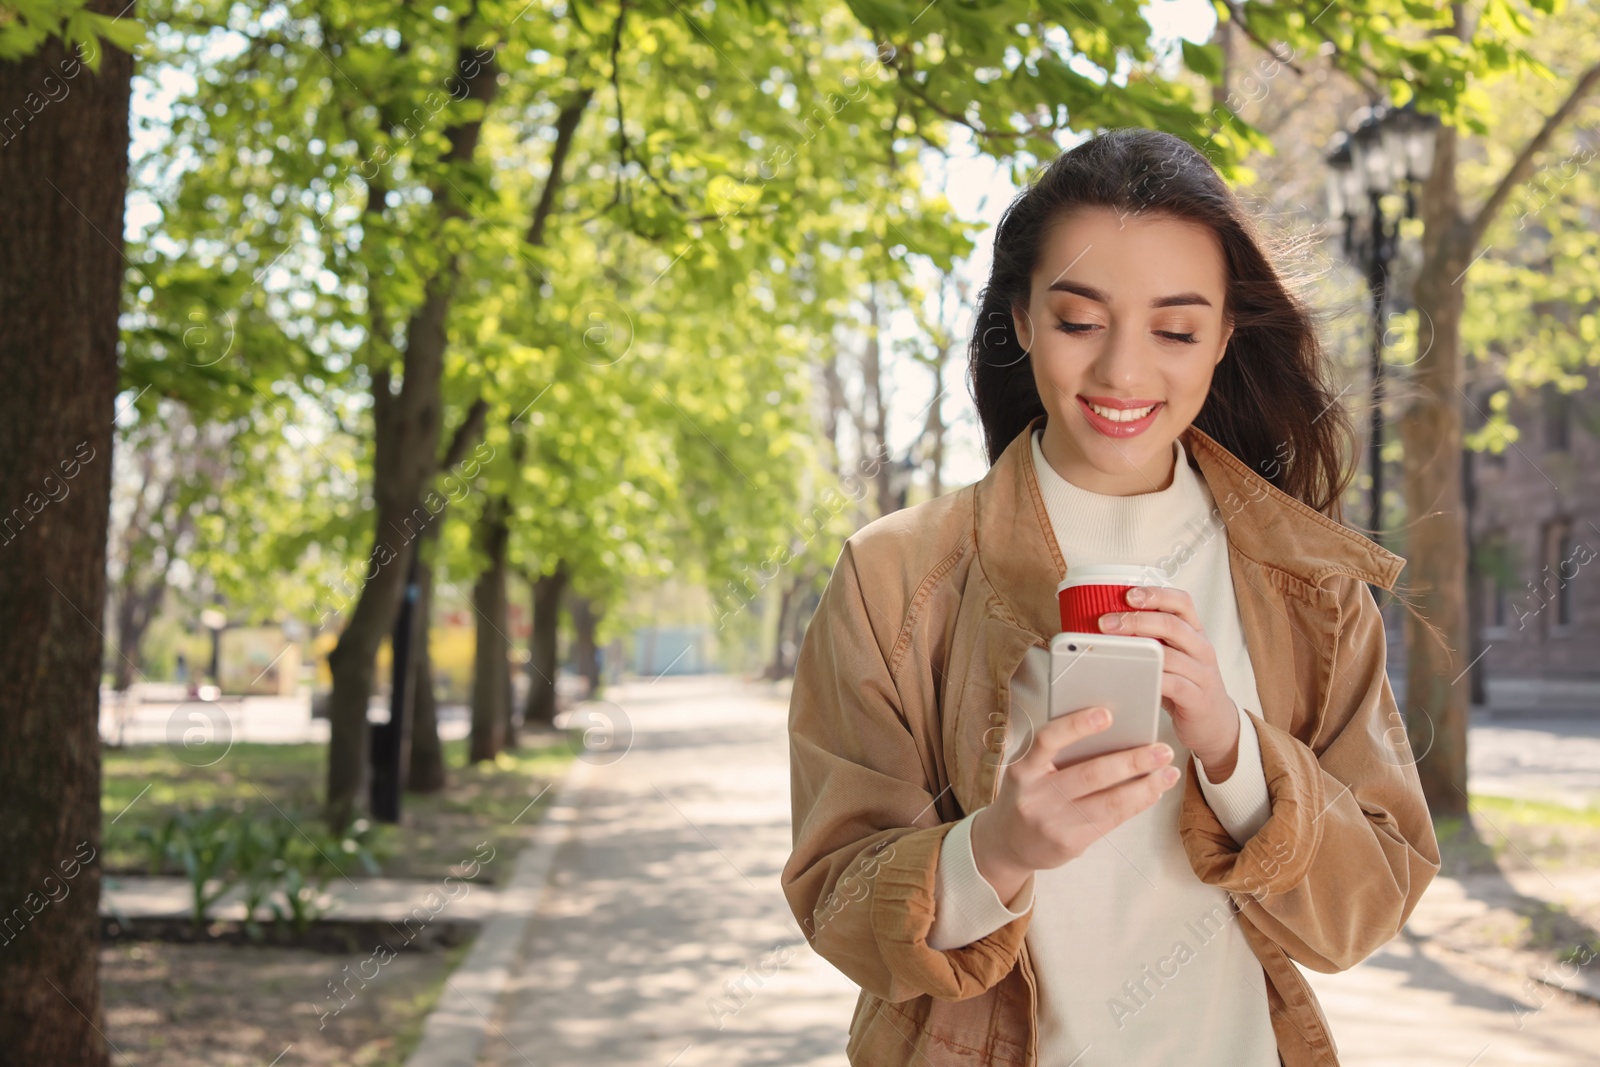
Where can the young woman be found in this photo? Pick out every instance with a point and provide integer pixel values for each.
(1150, 394)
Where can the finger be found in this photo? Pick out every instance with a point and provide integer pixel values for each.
(1160, 625)
(1189, 694)
(1107, 809)
(1056, 734)
(1180, 664)
(1171, 599)
(1104, 771)
(1180, 692)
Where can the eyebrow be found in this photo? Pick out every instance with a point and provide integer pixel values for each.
(1089, 292)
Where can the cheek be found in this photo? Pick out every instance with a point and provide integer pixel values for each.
(1188, 383)
(1056, 373)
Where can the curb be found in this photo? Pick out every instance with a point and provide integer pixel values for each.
(454, 1032)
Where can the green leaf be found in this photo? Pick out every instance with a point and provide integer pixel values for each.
(881, 14)
(1204, 59)
(126, 33)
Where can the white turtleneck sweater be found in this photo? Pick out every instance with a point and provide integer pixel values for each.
(1138, 961)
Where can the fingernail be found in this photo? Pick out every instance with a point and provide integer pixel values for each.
(1110, 622)
(1136, 595)
(1100, 717)
(1169, 774)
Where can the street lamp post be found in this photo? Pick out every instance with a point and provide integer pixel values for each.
(1389, 152)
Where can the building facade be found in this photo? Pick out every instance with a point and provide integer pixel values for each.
(1535, 527)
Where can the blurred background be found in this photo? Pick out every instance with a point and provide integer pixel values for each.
(428, 430)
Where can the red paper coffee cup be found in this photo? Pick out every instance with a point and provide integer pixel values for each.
(1093, 590)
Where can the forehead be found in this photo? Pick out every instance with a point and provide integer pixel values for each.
(1132, 256)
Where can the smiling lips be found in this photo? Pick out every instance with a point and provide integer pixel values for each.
(1119, 418)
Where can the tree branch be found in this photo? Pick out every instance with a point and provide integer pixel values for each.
(1238, 20)
(566, 130)
(471, 429)
(616, 91)
(1373, 89)
(1522, 166)
(903, 76)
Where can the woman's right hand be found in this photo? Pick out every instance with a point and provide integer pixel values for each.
(1045, 816)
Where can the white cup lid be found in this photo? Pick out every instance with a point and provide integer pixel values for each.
(1112, 574)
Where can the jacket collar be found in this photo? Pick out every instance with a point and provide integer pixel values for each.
(1018, 552)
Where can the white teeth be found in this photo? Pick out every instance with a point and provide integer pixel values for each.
(1120, 414)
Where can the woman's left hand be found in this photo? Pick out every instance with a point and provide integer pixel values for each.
(1205, 717)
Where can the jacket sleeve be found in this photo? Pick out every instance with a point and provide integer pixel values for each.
(1339, 865)
(862, 876)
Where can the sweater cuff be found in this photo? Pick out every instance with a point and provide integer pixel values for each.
(1241, 803)
(966, 906)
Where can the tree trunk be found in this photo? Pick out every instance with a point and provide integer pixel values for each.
(135, 609)
(65, 176)
(1476, 690)
(585, 653)
(128, 633)
(405, 460)
(150, 541)
(491, 676)
(800, 612)
(779, 666)
(875, 439)
(930, 447)
(933, 429)
(353, 666)
(1430, 428)
(426, 770)
(547, 591)
(426, 773)
(509, 719)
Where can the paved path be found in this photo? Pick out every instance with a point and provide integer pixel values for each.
(1409, 1006)
(668, 894)
(664, 939)
(265, 720)
(1550, 759)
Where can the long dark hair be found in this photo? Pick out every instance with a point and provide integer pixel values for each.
(1269, 404)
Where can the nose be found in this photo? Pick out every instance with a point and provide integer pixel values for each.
(1119, 363)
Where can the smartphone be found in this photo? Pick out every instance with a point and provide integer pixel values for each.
(1112, 671)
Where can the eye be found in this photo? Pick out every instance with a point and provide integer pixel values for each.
(1075, 327)
(1182, 338)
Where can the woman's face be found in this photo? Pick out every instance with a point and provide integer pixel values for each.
(1124, 318)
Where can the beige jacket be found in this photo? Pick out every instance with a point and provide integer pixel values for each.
(897, 728)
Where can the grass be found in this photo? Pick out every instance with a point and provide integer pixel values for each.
(1508, 834)
(144, 784)
(1534, 812)
(1537, 834)
(164, 1000)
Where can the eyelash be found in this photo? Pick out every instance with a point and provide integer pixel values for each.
(1084, 327)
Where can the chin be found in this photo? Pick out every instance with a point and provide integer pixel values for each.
(1122, 453)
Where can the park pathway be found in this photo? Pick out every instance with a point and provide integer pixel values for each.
(663, 939)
